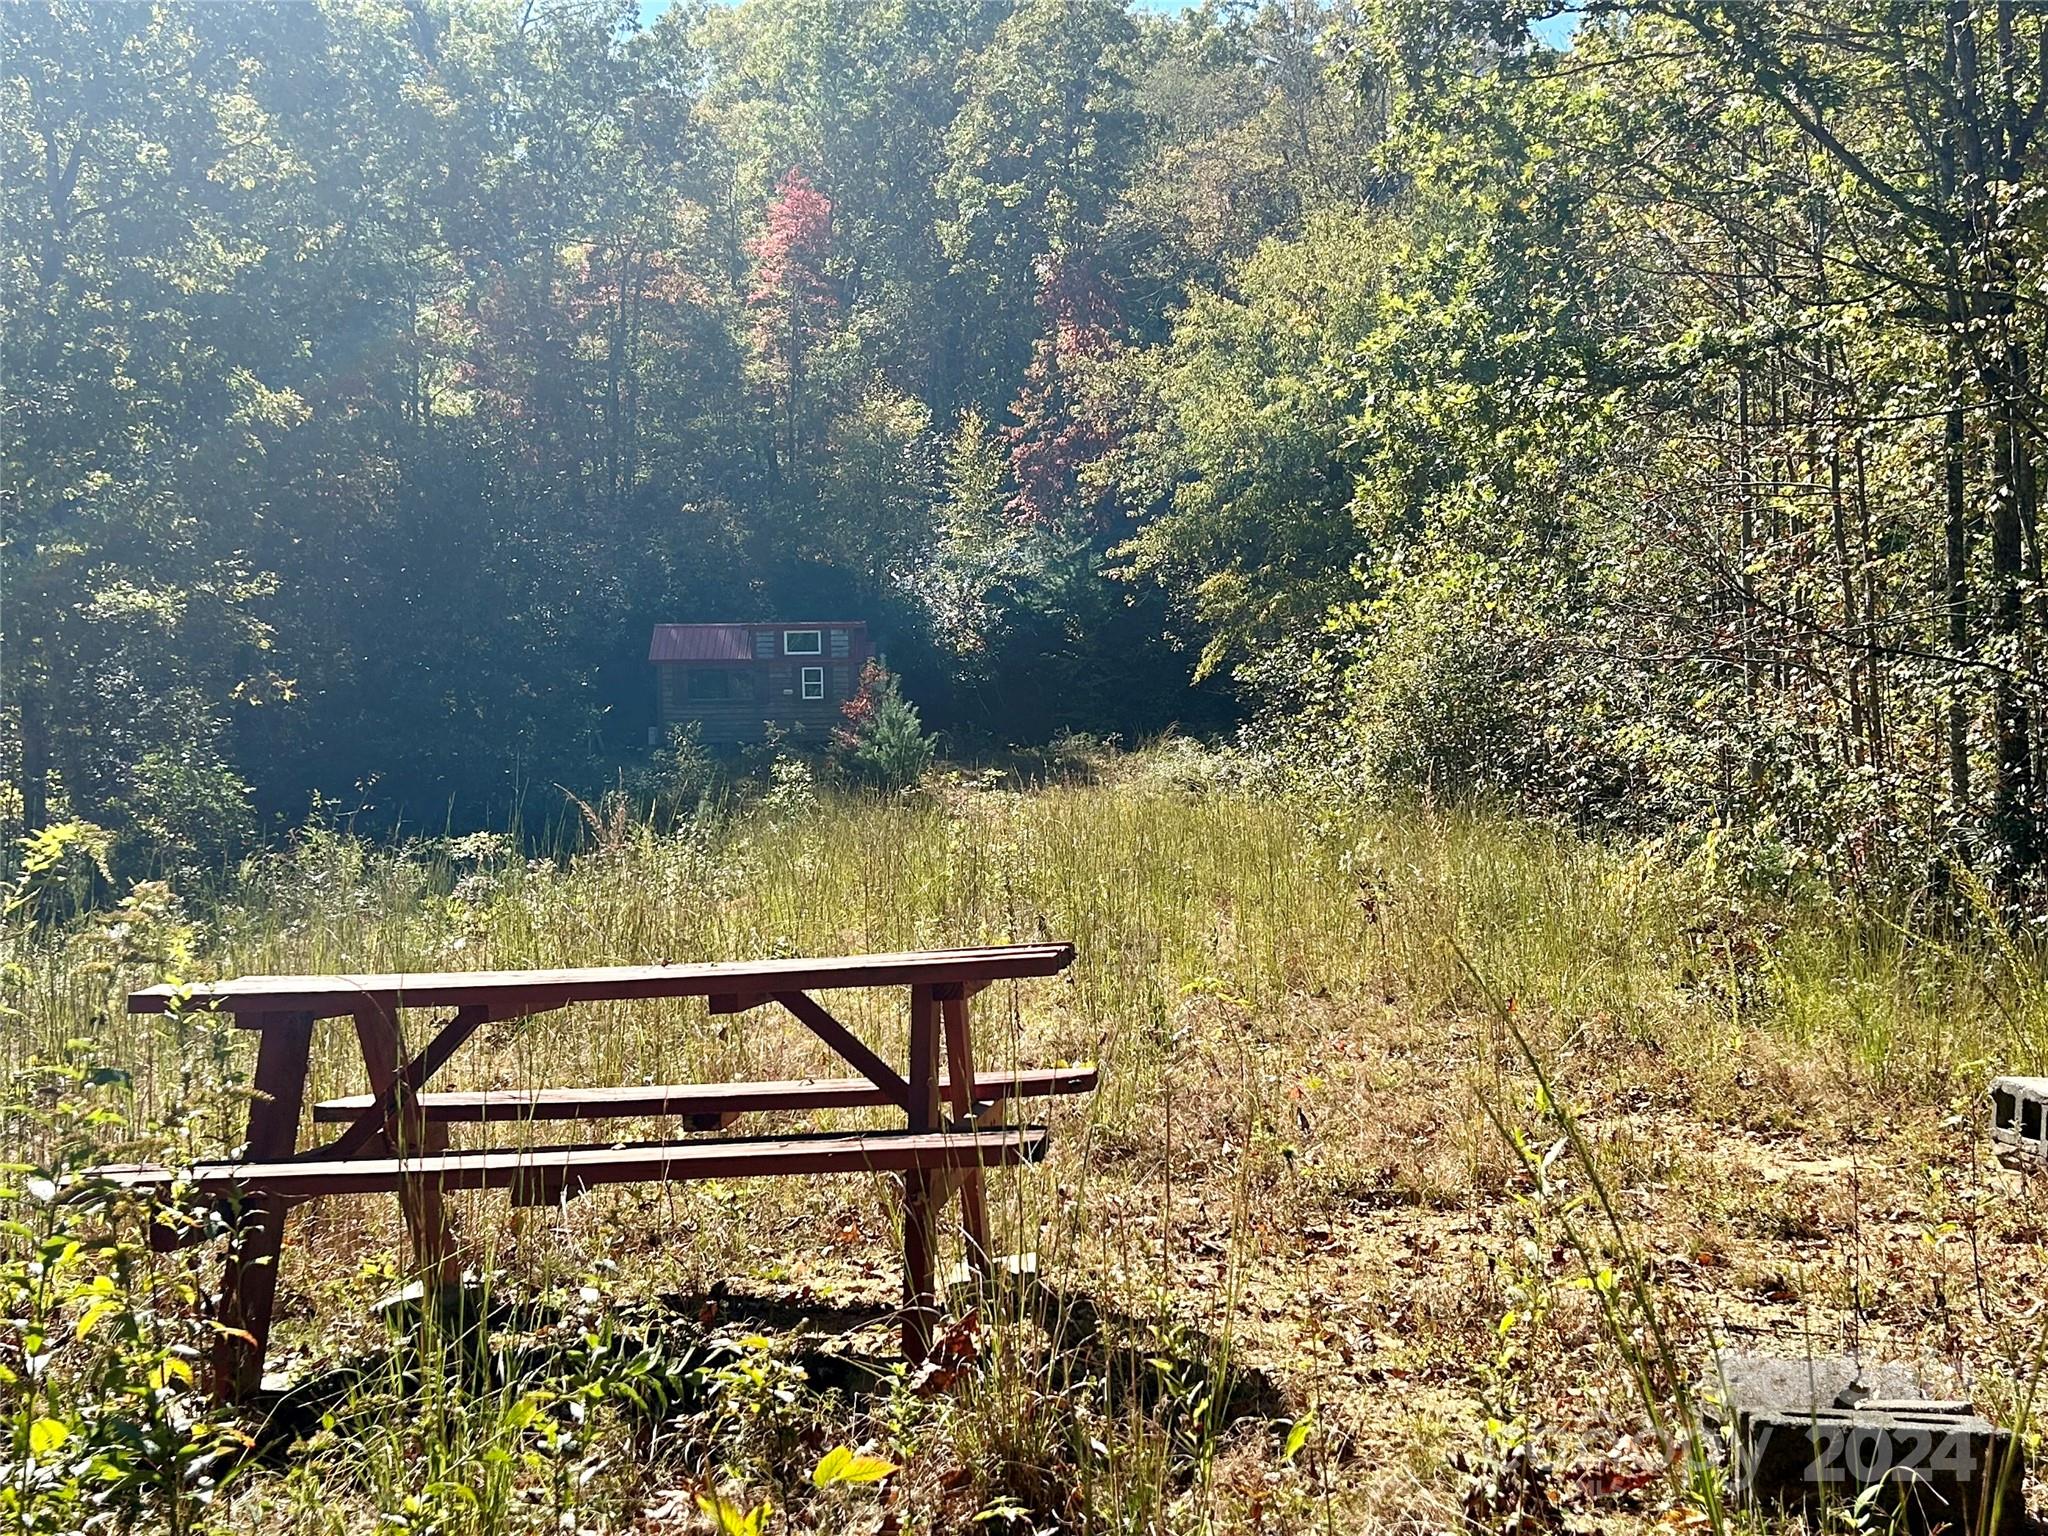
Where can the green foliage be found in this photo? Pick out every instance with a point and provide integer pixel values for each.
(792, 792)
(1436, 692)
(730, 1520)
(100, 1387)
(1646, 429)
(1617, 479)
(383, 519)
(65, 868)
(883, 742)
(681, 777)
(984, 558)
(1035, 158)
(185, 810)
(1255, 530)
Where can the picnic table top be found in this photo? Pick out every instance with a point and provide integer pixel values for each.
(327, 996)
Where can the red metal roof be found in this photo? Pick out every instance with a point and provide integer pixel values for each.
(701, 642)
(728, 642)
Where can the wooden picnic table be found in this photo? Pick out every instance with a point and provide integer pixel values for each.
(394, 1138)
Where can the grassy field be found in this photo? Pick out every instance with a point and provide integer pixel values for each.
(1296, 1269)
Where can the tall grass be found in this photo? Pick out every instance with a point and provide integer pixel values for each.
(1291, 1039)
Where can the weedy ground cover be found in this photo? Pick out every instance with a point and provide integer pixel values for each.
(1308, 1260)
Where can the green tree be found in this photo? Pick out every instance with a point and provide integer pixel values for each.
(139, 171)
(1034, 163)
(882, 742)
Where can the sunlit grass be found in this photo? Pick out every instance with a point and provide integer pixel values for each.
(1298, 1058)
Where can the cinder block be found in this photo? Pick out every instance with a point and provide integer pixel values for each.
(1828, 1431)
(2019, 1117)
(1006, 1272)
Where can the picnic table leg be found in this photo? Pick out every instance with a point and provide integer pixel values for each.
(920, 1292)
(408, 1133)
(960, 1069)
(248, 1284)
(920, 1253)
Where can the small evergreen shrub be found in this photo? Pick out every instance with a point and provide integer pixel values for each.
(883, 742)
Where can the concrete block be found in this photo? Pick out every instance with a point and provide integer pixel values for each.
(2019, 1117)
(458, 1305)
(1829, 1431)
(1009, 1272)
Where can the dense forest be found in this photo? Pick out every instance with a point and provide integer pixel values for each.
(1630, 414)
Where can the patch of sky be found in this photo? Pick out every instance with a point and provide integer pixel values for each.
(1556, 31)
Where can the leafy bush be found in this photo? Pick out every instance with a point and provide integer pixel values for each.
(106, 1419)
(64, 871)
(1436, 697)
(680, 776)
(1182, 764)
(883, 742)
(792, 790)
(1453, 682)
(186, 809)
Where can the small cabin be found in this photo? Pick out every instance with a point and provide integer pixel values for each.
(737, 680)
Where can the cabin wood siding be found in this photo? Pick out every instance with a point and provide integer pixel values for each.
(768, 689)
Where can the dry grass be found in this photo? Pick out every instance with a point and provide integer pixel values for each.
(1287, 1206)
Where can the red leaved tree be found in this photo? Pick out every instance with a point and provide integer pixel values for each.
(793, 299)
(1054, 436)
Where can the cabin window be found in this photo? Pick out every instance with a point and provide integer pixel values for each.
(710, 684)
(814, 682)
(803, 642)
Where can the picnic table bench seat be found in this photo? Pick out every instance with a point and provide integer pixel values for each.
(394, 1139)
(709, 1106)
(571, 1168)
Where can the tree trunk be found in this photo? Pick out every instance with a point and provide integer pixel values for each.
(1957, 521)
(2012, 804)
(35, 758)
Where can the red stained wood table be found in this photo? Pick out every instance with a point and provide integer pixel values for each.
(395, 1137)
